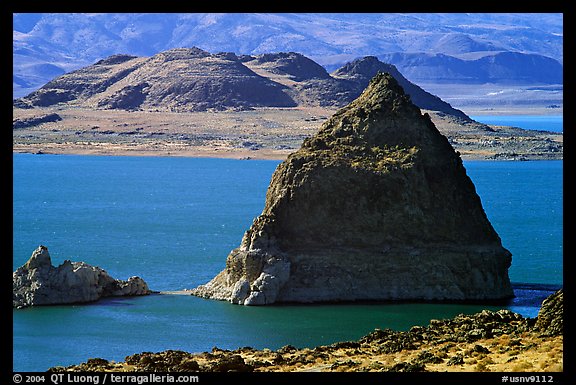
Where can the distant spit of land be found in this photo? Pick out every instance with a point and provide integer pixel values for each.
(261, 133)
(190, 102)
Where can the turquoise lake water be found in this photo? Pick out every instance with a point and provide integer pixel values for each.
(173, 221)
(553, 123)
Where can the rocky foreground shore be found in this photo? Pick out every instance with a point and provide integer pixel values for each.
(486, 341)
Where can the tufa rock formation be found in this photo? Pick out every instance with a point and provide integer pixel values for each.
(37, 282)
(376, 206)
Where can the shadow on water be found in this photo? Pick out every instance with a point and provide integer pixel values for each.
(531, 294)
(526, 295)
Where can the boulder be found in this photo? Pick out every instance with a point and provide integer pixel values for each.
(550, 320)
(37, 282)
(376, 206)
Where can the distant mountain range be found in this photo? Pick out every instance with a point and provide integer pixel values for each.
(498, 67)
(191, 79)
(465, 48)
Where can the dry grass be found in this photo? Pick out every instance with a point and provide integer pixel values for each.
(539, 354)
(265, 133)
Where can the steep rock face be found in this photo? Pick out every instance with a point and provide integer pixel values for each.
(37, 282)
(376, 206)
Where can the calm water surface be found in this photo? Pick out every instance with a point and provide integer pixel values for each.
(553, 123)
(173, 221)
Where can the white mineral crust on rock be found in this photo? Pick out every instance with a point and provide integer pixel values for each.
(37, 282)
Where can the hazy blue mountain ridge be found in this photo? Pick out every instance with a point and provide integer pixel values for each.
(45, 45)
(496, 67)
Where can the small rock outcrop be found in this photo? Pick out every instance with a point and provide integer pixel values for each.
(37, 282)
(550, 319)
(376, 206)
(35, 120)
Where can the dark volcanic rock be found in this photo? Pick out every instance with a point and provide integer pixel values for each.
(376, 206)
(128, 98)
(232, 363)
(167, 361)
(37, 282)
(550, 319)
(34, 121)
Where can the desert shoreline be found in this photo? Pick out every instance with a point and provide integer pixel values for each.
(278, 155)
(142, 152)
(265, 133)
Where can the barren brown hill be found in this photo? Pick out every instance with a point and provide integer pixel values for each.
(189, 102)
(190, 79)
(184, 79)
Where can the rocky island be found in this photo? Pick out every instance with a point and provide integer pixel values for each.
(376, 206)
(38, 282)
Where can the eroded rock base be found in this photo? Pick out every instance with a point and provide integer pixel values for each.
(37, 282)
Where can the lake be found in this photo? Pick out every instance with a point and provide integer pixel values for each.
(554, 123)
(173, 221)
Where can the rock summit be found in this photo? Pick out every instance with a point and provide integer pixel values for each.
(376, 206)
(37, 282)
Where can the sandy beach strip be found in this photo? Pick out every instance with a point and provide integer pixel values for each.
(101, 149)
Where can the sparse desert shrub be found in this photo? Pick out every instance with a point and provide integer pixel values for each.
(513, 352)
(481, 367)
(522, 366)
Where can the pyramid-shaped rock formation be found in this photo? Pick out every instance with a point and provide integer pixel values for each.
(376, 206)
